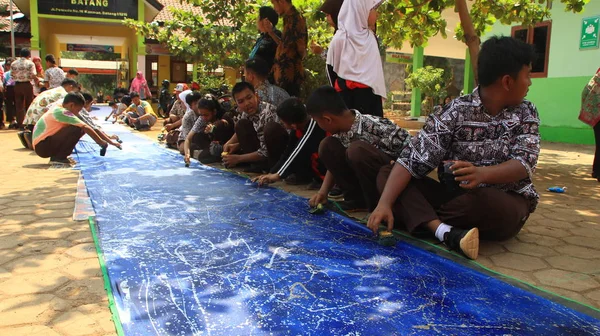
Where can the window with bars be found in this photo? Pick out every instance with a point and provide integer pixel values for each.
(539, 37)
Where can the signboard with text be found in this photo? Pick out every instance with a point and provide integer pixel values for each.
(398, 58)
(90, 48)
(101, 9)
(589, 33)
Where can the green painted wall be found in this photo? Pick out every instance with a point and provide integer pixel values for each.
(558, 97)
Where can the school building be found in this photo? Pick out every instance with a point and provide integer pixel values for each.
(96, 26)
(569, 56)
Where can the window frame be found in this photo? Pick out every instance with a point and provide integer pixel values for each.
(178, 77)
(530, 31)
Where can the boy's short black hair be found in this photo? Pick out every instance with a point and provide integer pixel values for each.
(50, 58)
(292, 111)
(325, 99)
(112, 104)
(25, 53)
(74, 97)
(500, 56)
(134, 95)
(258, 66)
(193, 97)
(73, 72)
(267, 12)
(126, 100)
(241, 86)
(210, 102)
(87, 96)
(69, 81)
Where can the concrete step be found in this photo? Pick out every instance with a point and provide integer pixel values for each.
(410, 124)
(401, 106)
(401, 96)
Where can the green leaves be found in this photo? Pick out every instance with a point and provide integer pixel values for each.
(416, 21)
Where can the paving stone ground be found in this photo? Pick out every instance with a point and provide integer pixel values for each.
(50, 279)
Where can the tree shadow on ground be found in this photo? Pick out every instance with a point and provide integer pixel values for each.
(38, 246)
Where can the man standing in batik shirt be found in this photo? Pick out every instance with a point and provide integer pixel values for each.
(288, 71)
(485, 146)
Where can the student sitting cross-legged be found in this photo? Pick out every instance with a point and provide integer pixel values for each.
(259, 137)
(140, 114)
(489, 142)
(361, 146)
(58, 131)
(210, 131)
(300, 162)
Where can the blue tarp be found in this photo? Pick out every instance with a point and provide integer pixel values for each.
(198, 251)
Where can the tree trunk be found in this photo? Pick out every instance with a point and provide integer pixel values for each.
(471, 39)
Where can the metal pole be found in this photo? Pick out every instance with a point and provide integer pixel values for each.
(12, 30)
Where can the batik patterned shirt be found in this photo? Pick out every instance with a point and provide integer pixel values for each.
(379, 132)
(22, 70)
(271, 94)
(463, 131)
(188, 121)
(41, 104)
(288, 69)
(54, 76)
(178, 109)
(265, 114)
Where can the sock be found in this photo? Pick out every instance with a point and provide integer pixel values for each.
(441, 231)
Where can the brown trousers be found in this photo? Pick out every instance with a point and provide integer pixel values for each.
(499, 215)
(61, 144)
(355, 169)
(23, 98)
(276, 138)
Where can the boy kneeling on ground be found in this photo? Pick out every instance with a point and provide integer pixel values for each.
(57, 132)
(259, 137)
(489, 142)
(361, 146)
(300, 163)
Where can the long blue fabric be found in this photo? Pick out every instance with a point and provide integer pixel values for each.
(198, 251)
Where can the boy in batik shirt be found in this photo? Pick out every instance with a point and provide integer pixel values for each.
(486, 145)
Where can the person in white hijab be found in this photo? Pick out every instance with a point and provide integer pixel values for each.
(353, 59)
(188, 120)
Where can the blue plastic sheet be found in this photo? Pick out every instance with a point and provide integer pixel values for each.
(198, 251)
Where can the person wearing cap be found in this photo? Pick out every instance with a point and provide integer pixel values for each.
(177, 111)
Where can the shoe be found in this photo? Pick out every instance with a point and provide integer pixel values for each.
(2, 126)
(64, 161)
(315, 184)
(13, 125)
(28, 139)
(464, 241)
(336, 193)
(352, 206)
(21, 136)
(293, 179)
(144, 128)
(595, 175)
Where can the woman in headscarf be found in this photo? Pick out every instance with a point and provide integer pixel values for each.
(140, 86)
(331, 8)
(353, 59)
(40, 74)
(590, 114)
